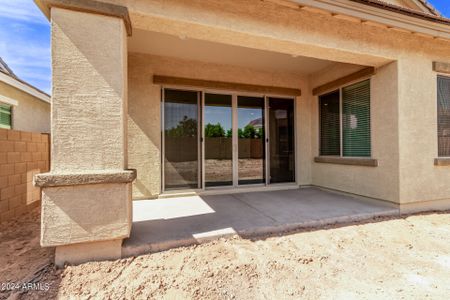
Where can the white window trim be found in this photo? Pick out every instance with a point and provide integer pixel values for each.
(8, 101)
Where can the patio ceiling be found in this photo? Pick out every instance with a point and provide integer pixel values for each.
(180, 47)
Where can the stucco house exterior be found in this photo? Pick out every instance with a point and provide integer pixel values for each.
(153, 98)
(22, 106)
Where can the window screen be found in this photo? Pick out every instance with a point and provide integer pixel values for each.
(443, 104)
(356, 119)
(5, 116)
(330, 140)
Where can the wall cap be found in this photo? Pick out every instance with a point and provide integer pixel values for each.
(88, 6)
(353, 161)
(67, 179)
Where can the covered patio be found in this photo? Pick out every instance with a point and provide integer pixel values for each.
(195, 96)
(161, 224)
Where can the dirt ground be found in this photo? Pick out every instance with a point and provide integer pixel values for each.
(397, 258)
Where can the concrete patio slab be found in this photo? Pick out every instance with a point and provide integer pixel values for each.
(162, 224)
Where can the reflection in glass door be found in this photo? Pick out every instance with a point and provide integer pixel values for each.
(181, 139)
(233, 128)
(251, 150)
(218, 140)
(281, 140)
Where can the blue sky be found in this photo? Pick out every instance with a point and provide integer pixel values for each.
(442, 5)
(25, 40)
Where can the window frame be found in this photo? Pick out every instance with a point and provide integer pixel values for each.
(341, 128)
(446, 76)
(11, 113)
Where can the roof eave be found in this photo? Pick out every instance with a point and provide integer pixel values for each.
(388, 15)
(25, 87)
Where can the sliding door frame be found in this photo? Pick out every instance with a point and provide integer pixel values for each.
(235, 151)
(296, 168)
(199, 138)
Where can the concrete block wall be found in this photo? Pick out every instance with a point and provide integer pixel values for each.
(22, 154)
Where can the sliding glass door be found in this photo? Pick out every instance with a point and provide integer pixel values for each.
(251, 148)
(281, 140)
(226, 140)
(218, 137)
(181, 139)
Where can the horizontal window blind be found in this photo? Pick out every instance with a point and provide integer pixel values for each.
(5, 116)
(356, 120)
(443, 104)
(330, 139)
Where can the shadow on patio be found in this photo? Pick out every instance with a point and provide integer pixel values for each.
(173, 222)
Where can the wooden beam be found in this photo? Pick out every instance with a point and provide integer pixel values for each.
(222, 85)
(441, 67)
(343, 80)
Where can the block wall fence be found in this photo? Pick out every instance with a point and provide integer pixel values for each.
(22, 154)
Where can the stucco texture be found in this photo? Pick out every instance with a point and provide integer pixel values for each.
(32, 114)
(89, 138)
(381, 182)
(89, 92)
(86, 213)
(269, 26)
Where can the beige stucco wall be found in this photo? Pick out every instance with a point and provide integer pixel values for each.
(266, 25)
(403, 90)
(420, 179)
(89, 92)
(32, 114)
(380, 182)
(144, 111)
(85, 213)
(86, 219)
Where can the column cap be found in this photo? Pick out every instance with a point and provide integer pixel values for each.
(88, 6)
(82, 178)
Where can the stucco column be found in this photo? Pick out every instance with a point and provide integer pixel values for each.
(86, 196)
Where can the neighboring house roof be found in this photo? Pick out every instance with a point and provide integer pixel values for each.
(5, 69)
(8, 76)
(256, 122)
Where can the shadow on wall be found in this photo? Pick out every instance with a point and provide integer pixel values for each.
(143, 129)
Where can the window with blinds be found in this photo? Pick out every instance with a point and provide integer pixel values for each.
(5, 116)
(443, 105)
(356, 120)
(345, 121)
(330, 136)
